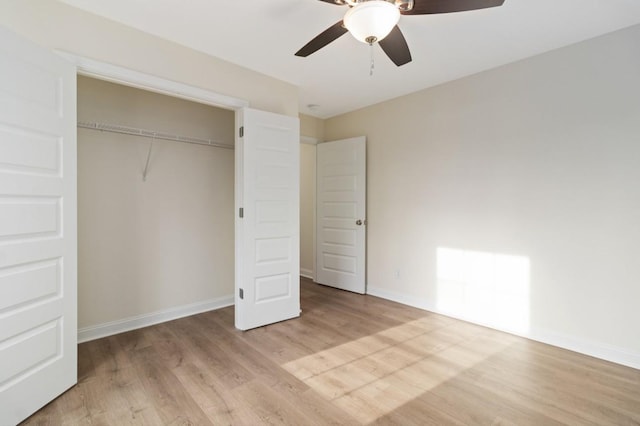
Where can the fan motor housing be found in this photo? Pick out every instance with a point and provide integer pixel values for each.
(403, 5)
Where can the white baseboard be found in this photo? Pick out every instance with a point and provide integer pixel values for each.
(595, 349)
(132, 323)
(400, 298)
(307, 273)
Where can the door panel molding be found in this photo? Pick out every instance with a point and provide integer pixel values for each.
(268, 230)
(341, 214)
(38, 227)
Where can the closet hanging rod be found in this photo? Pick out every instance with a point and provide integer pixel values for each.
(125, 130)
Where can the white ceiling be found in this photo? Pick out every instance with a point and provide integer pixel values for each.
(263, 35)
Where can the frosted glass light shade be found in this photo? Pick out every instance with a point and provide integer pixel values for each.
(371, 21)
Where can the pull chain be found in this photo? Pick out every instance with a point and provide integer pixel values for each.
(373, 65)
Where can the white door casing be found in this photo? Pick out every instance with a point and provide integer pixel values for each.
(38, 242)
(341, 214)
(268, 229)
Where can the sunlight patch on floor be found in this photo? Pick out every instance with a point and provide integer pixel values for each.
(374, 375)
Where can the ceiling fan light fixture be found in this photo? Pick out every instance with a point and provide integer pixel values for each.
(371, 21)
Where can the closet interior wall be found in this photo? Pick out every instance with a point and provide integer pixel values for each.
(151, 246)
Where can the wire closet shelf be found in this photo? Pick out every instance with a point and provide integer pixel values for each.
(125, 130)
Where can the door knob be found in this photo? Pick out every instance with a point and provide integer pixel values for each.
(358, 222)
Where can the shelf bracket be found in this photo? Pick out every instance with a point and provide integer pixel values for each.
(146, 164)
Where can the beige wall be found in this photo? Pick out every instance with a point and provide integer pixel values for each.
(56, 25)
(146, 247)
(307, 208)
(533, 164)
(312, 127)
(311, 132)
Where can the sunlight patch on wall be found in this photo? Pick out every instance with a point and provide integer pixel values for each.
(486, 288)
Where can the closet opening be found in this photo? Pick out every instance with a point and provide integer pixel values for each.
(155, 207)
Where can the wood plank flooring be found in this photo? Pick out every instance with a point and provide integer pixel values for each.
(348, 360)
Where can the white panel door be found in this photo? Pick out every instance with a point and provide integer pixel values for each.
(267, 219)
(38, 324)
(341, 214)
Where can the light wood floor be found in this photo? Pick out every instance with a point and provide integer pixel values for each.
(350, 360)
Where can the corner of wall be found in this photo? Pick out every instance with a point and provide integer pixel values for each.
(586, 347)
(98, 331)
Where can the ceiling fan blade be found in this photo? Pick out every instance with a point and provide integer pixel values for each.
(396, 48)
(322, 39)
(426, 7)
(336, 2)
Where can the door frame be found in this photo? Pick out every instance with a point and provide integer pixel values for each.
(140, 80)
(308, 140)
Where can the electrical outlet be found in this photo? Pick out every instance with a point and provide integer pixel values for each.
(396, 274)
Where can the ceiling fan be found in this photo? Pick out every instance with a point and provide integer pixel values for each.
(375, 21)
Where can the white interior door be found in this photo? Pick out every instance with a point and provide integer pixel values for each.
(267, 219)
(38, 324)
(341, 214)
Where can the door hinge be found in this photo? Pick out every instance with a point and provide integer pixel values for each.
(241, 131)
(241, 294)
(241, 212)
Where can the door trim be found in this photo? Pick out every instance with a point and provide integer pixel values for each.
(308, 140)
(128, 77)
(140, 80)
